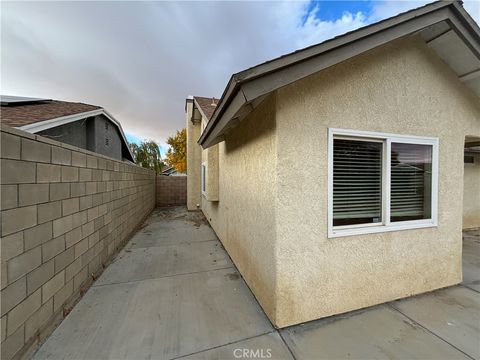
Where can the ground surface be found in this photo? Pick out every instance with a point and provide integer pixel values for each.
(174, 293)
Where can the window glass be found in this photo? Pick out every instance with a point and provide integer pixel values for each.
(411, 182)
(357, 182)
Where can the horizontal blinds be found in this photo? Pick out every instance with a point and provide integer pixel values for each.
(357, 181)
(411, 176)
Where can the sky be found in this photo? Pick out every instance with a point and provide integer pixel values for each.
(141, 60)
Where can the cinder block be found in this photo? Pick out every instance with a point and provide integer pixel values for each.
(73, 269)
(9, 196)
(33, 150)
(59, 191)
(70, 206)
(30, 194)
(40, 276)
(23, 264)
(85, 174)
(17, 219)
(74, 236)
(88, 228)
(80, 278)
(13, 294)
(62, 295)
(90, 188)
(79, 218)
(53, 285)
(19, 314)
(39, 319)
(81, 247)
(53, 247)
(93, 239)
(38, 235)
(12, 245)
(91, 162)
(49, 211)
(64, 259)
(102, 163)
(69, 174)
(13, 344)
(47, 173)
(77, 189)
(61, 156)
(3, 329)
(85, 202)
(92, 213)
(96, 175)
(79, 159)
(17, 172)
(10, 146)
(62, 225)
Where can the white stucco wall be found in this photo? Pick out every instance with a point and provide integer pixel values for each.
(401, 88)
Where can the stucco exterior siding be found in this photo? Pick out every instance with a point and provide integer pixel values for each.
(244, 217)
(471, 194)
(194, 155)
(401, 88)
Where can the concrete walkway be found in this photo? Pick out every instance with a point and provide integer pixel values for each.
(174, 293)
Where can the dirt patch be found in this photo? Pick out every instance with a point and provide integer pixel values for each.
(233, 276)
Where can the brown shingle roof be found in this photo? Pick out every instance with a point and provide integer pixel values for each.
(207, 105)
(24, 114)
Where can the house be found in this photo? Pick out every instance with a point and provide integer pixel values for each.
(171, 171)
(334, 175)
(86, 126)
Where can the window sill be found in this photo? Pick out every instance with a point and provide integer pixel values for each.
(334, 233)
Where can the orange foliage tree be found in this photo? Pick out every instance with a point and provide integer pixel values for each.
(177, 154)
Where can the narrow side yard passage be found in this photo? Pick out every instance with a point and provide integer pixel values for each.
(174, 293)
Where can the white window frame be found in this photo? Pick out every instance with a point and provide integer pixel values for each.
(385, 225)
(203, 178)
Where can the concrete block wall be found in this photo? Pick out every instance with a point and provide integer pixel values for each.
(65, 212)
(171, 190)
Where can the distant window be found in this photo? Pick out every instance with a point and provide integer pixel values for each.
(469, 159)
(106, 126)
(107, 141)
(204, 178)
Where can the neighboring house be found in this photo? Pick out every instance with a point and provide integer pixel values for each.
(171, 171)
(334, 175)
(86, 126)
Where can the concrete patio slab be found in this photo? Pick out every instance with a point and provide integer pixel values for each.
(154, 262)
(268, 346)
(453, 314)
(172, 232)
(377, 333)
(159, 318)
(173, 292)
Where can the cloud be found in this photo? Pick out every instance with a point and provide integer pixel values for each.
(140, 60)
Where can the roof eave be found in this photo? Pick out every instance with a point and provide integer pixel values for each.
(244, 87)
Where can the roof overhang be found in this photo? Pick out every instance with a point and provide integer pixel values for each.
(51, 123)
(445, 26)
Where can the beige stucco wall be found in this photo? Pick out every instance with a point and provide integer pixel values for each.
(401, 88)
(194, 156)
(471, 195)
(244, 216)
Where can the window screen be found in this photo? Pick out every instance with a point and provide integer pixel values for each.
(357, 182)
